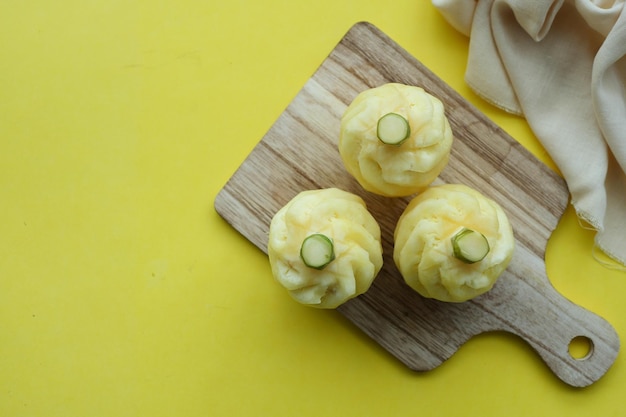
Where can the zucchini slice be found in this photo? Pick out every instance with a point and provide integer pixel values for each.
(393, 129)
(317, 251)
(470, 246)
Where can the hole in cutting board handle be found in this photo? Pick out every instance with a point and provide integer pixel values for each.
(580, 348)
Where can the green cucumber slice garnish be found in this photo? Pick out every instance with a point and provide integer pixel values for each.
(470, 246)
(393, 129)
(317, 251)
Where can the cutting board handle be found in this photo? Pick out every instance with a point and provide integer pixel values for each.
(549, 323)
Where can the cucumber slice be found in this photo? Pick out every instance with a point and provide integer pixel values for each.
(393, 129)
(470, 246)
(317, 251)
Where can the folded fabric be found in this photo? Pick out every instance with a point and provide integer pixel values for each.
(562, 65)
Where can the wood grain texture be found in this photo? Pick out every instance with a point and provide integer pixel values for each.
(299, 152)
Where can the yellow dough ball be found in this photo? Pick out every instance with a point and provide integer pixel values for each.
(452, 243)
(395, 139)
(324, 247)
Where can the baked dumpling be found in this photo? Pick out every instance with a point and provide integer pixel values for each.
(395, 139)
(324, 247)
(452, 243)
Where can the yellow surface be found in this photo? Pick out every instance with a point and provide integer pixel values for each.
(123, 293)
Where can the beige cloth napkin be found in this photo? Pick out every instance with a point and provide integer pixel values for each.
(561, 65)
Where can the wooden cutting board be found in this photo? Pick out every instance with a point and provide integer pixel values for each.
(299, 152)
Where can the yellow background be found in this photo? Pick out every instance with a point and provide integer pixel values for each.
(123, 293)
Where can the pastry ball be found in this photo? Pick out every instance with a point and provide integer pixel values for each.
(395, 139)
(452, 243)
(324, 247)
